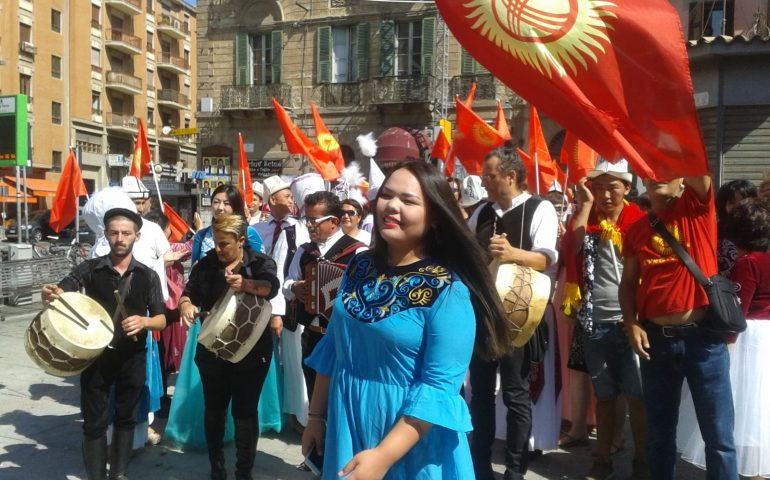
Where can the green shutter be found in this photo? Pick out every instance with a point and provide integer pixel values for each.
(428, 45)
(242, 52)
(276, 45)
(480, 69)
(324, 51)
(466, 63)
(361, 65)
(387, 47)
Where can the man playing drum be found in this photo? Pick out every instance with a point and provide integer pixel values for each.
(514, 227)
(137, 307)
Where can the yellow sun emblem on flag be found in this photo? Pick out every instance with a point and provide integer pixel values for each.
(548, 35)
(327, 142)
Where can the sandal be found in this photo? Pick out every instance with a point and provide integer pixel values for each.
(567, 441)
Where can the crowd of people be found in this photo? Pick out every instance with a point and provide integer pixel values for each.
(410, 369)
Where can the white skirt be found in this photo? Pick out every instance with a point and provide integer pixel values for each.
(750, 378)
(295, 398)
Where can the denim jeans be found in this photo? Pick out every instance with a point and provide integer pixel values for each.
(705, 363)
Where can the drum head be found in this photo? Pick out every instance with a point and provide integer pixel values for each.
(95, 334)
(524, 293)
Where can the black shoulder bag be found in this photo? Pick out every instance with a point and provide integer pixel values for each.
(725, 317)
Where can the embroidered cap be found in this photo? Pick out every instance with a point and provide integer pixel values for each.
(258, 188)
(274, 184)
(618, 169)
(472, 191)
(134, 188)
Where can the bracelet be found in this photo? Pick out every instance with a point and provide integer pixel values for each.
(184, 300)
(316, 415)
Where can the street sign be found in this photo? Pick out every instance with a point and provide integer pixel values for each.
(178, 132)
(265, 168)
(13, 131)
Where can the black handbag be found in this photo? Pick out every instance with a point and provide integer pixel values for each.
(725, 317)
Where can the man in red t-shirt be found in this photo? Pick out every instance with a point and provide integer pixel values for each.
(662, 304)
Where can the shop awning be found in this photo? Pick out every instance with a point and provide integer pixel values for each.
(38, 187)
(11, 197)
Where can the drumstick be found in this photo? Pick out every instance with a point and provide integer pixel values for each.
(78, 320)
(123, 311)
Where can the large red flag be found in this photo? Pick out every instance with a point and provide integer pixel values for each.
(473, 138)
(244, 175)
(578, 157)
(140, 166)
(326, 140)
(441, 149)
(70, 187)
(614, 73)
(541, 180)
(538, 151)
(179, 227)
(299, 143)
(501, 124)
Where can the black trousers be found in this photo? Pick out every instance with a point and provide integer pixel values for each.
(124, 369)
(514, 383)
(309, 341)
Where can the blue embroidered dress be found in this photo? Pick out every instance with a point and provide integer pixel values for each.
(399, 343)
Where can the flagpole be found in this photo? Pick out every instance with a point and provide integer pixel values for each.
(565, 187)
(157, 187)
(537, 173)
(77, 201)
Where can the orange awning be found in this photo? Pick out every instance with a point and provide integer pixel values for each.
(38, 187)
(11, 198)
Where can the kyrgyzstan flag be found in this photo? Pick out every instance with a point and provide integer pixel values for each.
(140, 166)
(539, 155)
(326, 140)
(440, 146)
(473, 138)
(179, 227)
(578, 158)
(613, 73)
(542, 179)
(298, 143)
(501, 124)
(244, 175)
(70, 187)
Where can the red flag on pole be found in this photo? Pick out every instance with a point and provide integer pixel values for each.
(179, 227)
(578, 157)
(614, 73)
(140, 166)
(540, 177)
(501, 124)
(299, 143)
(326, 140)
(244, 175)
(440, 145)
(70, 187)
(538, 149)
(474, 138)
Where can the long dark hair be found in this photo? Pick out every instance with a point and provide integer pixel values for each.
(727, 192)
(450, 242)
(233, 196)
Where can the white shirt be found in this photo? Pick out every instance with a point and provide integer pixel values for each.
(280, 251)
(149, 250)
(364, 237)
(543, 230)
(368, 223)
(266, 230)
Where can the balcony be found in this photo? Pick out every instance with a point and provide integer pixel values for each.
(341, 94)
(171, 63)
(395, 90)
(129, 7)
(486, 87)
(119, 122)
(27, 48)
(124, 83)
(173, 99)
(123, 42)
(172, 27)
(253, 97)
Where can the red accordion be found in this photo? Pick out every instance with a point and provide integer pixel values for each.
(323, 280)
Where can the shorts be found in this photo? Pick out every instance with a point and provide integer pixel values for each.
(612, 363)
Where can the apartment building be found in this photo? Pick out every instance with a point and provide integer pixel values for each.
(91, 70)
(368, 66)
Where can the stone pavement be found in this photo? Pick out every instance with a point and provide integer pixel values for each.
(40, 431)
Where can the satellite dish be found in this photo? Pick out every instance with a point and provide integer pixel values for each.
(165, 130)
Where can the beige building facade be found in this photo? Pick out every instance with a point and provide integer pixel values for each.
(91, 69)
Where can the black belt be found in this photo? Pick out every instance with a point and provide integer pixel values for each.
(672, 331)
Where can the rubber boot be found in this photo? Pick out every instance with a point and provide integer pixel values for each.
(245, 447)
(122, 441)
(214, 425)
(95, 457)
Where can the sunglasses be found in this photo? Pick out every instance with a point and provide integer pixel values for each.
(319, 220)
(349, 213)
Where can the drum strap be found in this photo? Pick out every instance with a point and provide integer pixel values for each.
(124, 288)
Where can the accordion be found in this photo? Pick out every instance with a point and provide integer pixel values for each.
(322, 280)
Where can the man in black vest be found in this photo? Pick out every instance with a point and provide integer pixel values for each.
(323, 211)
(514, 227)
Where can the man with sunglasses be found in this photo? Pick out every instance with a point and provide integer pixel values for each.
(323, 211)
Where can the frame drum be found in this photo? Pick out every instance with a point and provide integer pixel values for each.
(234, 325)
(524, 293)
(60, 343)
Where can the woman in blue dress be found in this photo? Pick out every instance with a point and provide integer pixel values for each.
(185, 420)
(400, 340)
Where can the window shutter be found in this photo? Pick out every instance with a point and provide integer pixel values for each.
(480, 69)
(242, 52)
(466, 63)
(324, 51)
(276, 54)
(387, 47)
(428, 45)
(361, 65)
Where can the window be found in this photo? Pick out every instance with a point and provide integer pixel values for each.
(186, 25)
(187, 57)
(56, 161)
(706, 18)
(96, 21)
(150, 6)
(56, 113)
(150, 117)
(96, 59)
(261, 55)
(96, 102)
(56, 21)
(343, 53)
(25, 33)
(150, 79)
(186, 123)
(55, 66)
(150, 41)
(408, 48)
(25, 85)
